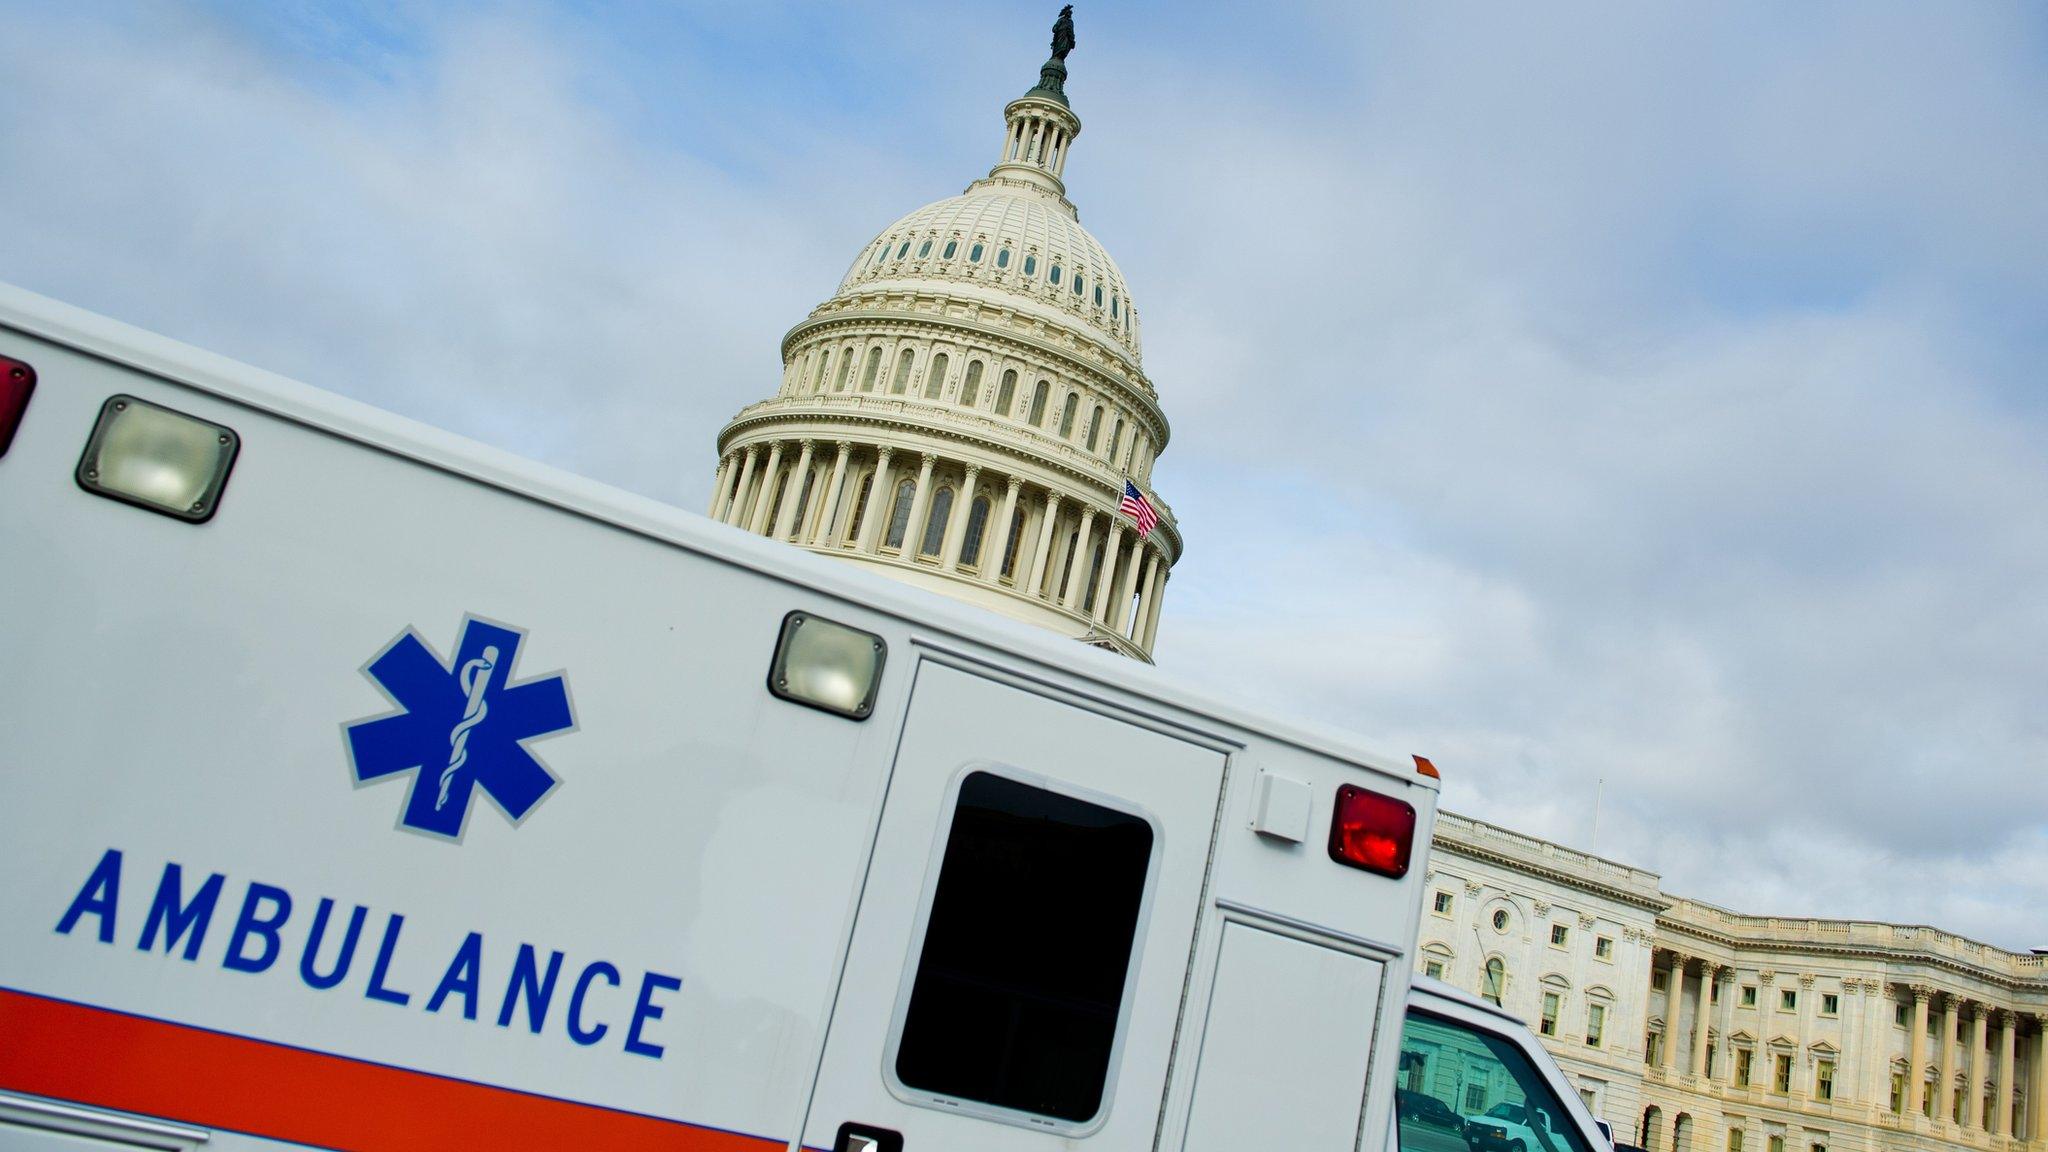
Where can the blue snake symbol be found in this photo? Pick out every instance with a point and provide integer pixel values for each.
(475, 680)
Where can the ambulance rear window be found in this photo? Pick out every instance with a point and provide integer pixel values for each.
(1020, 982)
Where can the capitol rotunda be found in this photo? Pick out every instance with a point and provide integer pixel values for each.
(966, 410)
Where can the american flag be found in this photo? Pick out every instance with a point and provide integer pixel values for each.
(1138, 508)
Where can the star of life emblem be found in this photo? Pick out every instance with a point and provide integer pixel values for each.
(460, 727)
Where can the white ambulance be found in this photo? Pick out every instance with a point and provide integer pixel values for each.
(365, 788)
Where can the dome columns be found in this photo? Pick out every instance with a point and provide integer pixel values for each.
(1147, 622)
(822, 536)
(1065, 560)
(871, 516)
(802, 475)
(991, 574)
(1047, 520)
(956, 524)
(721, 489)
(759, 520)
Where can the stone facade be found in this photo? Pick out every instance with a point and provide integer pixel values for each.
(1832, 1035)
(964, 412)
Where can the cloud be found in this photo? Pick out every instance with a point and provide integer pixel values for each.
(1570, 394)
(1558, 316)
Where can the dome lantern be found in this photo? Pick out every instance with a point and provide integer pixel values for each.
(1038, 133)
(1040, 125)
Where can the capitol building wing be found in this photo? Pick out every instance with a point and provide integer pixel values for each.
(1693, 1028)
(965, 411)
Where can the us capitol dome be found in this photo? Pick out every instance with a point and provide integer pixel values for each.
(966, 410)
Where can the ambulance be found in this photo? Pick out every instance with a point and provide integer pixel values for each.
(362, 787)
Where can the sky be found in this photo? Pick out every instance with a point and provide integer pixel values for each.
(1637, 409)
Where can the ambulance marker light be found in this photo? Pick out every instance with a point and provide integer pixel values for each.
(17, 382)
(827, 665)
(158, 458)
(1372, 832)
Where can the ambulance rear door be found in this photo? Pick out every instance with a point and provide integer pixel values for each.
(1018, 959)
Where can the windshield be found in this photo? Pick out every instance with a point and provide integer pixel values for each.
(1477, 1073)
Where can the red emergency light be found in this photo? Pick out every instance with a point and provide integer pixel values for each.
(1371, 831)
(17, 381)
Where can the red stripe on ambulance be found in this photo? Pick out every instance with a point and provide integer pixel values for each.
(134, 1064)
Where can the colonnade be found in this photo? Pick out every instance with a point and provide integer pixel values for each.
(1961, 1066)
(1033, 541)
(1949, 1082)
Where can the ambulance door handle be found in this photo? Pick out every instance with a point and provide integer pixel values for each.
(866, 1138)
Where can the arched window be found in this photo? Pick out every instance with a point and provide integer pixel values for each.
(1112, 306)
(818, 381)
(1495, 985)
(1038, 404)
(1073, 405)
(867, 375)
(977, 525)
(902, 379)
(924, 249)
(935, 379)
(1116, 438)
(1080, 283)
(952, 246)
(1098, 295)
(935, 523)
(899, 517)
(974, 253)
(1011, 547)
(1094, 429)
(845, 368)
(1030, 265)
(970, 388)
(1003, 258)
(860, 505)
(879, 253)
(1054, 275)
(903, 251)
(1006, 392)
